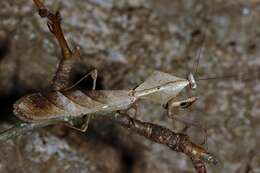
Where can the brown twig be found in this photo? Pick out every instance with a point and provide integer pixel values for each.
(62, 76)
(54, 25)
(176, 141)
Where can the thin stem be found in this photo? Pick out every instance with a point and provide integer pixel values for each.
(23, 128)
(20, 129)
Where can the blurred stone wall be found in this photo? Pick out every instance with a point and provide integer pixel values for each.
(126, 41)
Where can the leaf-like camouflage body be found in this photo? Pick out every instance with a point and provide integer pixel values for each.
(159, 87)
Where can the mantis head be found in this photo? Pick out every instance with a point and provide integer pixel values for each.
(192, 81)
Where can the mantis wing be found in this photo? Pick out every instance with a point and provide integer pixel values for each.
(160, 87)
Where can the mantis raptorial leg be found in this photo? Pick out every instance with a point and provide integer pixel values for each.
(183, 104)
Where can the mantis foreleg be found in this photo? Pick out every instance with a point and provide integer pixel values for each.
(184, 104)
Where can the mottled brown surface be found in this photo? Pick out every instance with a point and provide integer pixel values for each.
(125, 41)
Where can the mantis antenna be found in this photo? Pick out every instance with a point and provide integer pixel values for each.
(191, 78)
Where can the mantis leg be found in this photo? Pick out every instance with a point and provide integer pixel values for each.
(185, 104)
(182, 103)
(83, 124)
(80, 124)
(93, 74)
(189, 123)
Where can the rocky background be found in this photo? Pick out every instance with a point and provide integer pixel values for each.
(126, 41)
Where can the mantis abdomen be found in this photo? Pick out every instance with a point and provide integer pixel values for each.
(55, 104)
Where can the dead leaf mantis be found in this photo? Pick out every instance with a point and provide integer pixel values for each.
(159, 87)
(61, 103)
